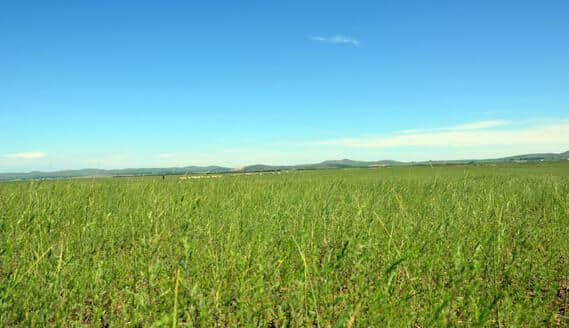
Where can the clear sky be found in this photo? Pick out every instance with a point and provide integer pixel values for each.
(114, 84)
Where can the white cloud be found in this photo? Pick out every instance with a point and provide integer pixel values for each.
(479, 125)
(336, 39)
(467, 135)
(31, 155)
(462, 127)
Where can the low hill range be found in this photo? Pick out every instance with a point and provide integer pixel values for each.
(347, 163)
(98, 173)
(329, 164)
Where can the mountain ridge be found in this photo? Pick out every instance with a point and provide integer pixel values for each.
(327, 164)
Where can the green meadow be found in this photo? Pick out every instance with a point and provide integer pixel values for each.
(387, 247)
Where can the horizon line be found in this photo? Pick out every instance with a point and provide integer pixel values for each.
(284, 165)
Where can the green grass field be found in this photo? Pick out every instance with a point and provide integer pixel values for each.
(394, 247)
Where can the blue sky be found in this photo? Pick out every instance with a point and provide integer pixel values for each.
(114, 84)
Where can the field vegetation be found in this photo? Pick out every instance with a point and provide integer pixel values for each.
(387, 247)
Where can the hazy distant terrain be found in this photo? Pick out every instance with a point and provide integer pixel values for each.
(111, 173)
(330, 164)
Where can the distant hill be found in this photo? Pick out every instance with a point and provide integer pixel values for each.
(114, 173)
(348, 163)
(329, 164)
(537, 157)
(543, 156)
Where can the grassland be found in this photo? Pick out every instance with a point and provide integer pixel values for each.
(396, 247)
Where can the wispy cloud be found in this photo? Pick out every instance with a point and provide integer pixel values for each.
(479, 125)
(466, 135)
(31, 155)
(336, 39)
